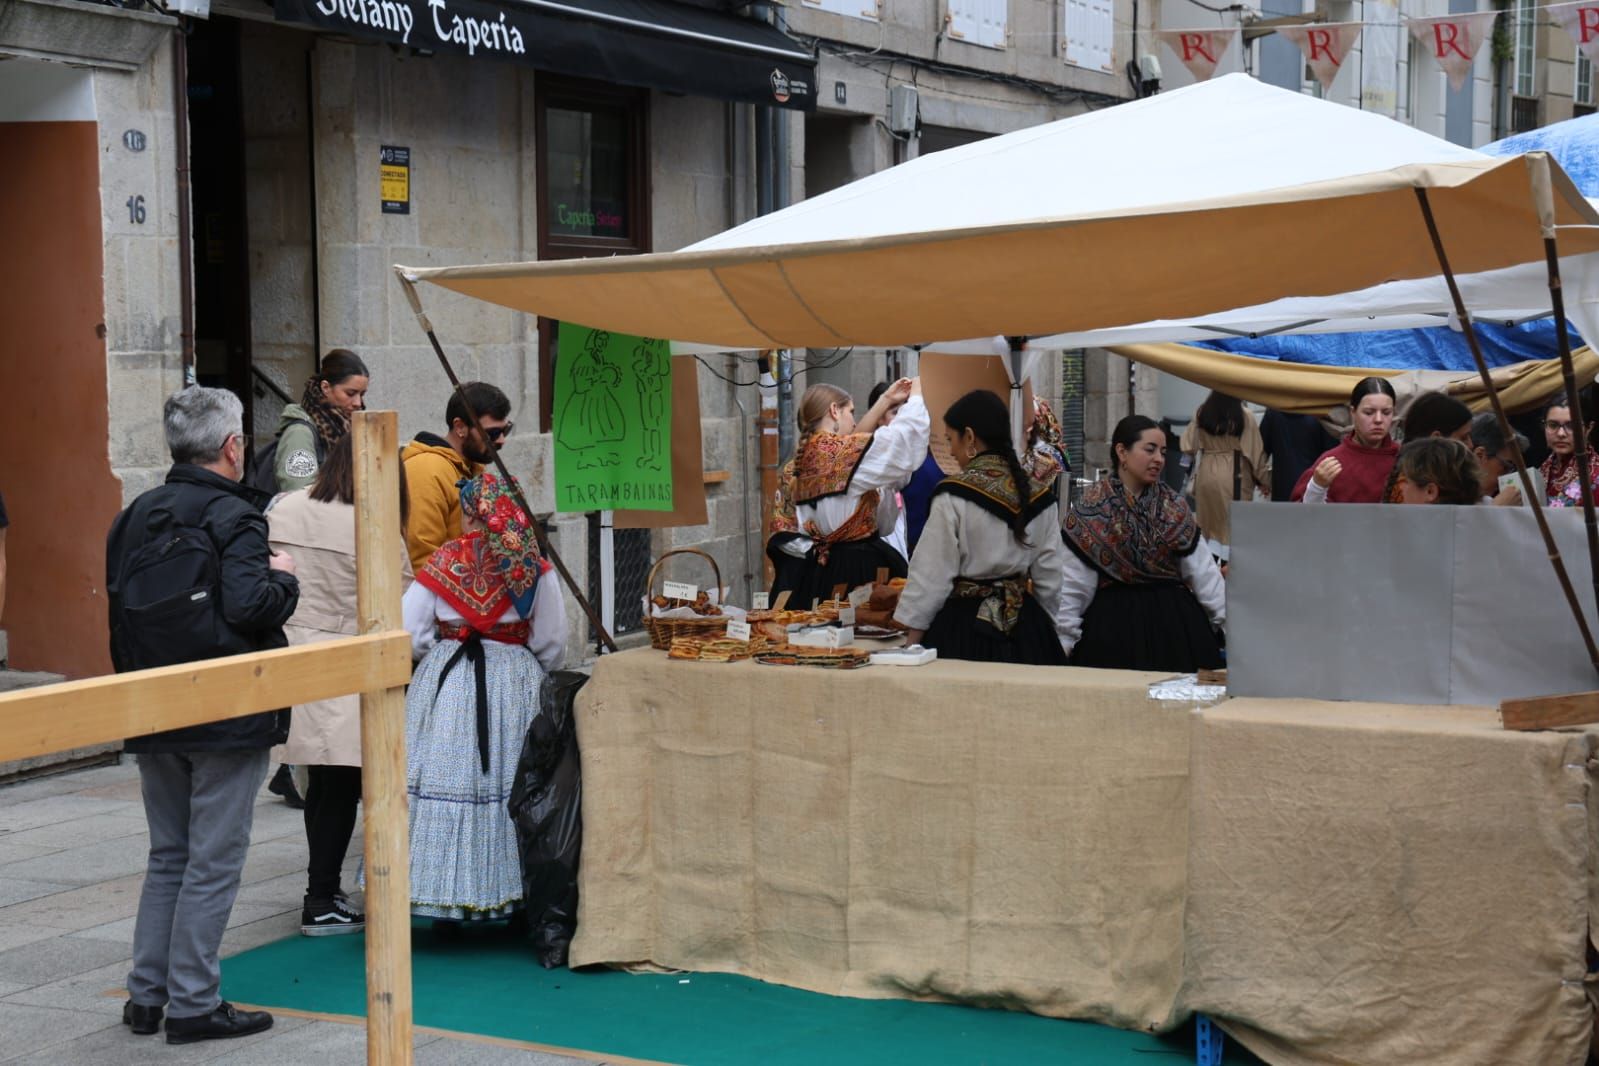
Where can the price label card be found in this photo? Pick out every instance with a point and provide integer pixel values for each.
(846, 616)
(759, 601)
(676, 590)
(737, 630)
(859, 597)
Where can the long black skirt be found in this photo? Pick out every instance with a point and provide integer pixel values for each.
(956, 633)
(1147, 627)
(851, 565)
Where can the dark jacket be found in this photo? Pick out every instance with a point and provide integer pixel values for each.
(256, 600)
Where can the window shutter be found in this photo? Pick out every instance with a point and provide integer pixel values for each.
(857, 9)
(1090, 29)
(982, 22)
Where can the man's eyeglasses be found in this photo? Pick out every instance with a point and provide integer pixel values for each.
(498, 433)
(244, 440)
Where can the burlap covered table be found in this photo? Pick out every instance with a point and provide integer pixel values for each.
(1003, 835)
(1339, 883)
(1372, 883)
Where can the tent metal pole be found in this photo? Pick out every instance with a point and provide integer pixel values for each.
(1018, 417)
(1510, 434)
(1543, 197)
(545, 547)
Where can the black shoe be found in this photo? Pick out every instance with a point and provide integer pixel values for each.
(282, 784)
(221, 1024)
(330, 918)
(144, 1020)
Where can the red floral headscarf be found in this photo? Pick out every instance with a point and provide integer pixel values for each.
(511, 542)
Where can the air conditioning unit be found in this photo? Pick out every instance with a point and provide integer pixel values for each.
(902, 109)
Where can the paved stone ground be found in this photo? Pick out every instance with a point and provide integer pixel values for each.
(72, 855)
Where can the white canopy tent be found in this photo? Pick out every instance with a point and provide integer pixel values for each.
(1226, 194)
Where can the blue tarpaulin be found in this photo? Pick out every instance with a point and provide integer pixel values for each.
(1575, 146)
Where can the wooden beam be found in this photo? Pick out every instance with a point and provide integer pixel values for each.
(1550, 712)
(100, 710)
(716, 477)
(379, 551)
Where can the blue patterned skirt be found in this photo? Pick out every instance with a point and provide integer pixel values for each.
(464, 859)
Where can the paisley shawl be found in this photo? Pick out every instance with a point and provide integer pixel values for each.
(1562, 487)
(825, 464)
(1139, 541)
(987, 482)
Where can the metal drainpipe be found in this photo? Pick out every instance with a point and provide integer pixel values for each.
(745, 427)
(180, 122)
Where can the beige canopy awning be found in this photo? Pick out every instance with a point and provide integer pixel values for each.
(1220, 195)
(1302, 388)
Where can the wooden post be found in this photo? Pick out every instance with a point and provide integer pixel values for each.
(379, 548)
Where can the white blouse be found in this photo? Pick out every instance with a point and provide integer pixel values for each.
(547, 629)
(961, 539)
(1199, 570)
(897, 451)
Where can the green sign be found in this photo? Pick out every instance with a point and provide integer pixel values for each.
(613, 420)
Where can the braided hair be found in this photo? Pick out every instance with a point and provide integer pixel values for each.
(813, 407)
(986, 415)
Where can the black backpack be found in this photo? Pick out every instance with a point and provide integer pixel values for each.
(263, 475)
(166, 603)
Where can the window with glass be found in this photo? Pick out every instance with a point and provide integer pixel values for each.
(593, 183)
(1582, 92)
(1526, 46)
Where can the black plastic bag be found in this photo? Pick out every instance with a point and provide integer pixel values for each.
(546, 807)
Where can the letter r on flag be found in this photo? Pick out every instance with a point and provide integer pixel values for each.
(1195, 44)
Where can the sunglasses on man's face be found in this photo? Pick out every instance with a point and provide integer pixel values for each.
(498, 433)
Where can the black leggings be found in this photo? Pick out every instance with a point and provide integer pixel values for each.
(330, 801)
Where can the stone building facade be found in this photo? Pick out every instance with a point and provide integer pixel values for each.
(274, 138)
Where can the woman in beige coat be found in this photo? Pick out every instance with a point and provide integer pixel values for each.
(317, 524)
(1225, 441)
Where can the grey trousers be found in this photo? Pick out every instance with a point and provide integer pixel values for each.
(199, 806)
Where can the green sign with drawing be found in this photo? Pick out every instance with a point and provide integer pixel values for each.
(613, 418)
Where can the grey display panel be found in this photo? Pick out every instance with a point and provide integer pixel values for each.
(1403, 604)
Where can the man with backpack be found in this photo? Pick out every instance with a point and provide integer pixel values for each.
(190, 576)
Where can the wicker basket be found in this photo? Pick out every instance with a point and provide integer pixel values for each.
(662, 630)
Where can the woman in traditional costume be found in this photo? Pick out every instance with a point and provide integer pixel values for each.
(1357, 470)
(1136, 595)
(835, 499)
(1561, 475)
(487, 620)
(992, 529)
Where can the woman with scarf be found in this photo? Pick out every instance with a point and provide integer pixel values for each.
(993, 528)
(308, 430)
(487, 620)
(1357, 470)
(835, 498)
(1136, 595)
(1561, 475)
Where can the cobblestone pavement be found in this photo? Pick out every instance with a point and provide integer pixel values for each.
(72, 855)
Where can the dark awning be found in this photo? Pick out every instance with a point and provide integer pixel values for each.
(651, 43)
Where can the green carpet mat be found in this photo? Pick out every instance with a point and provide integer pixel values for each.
(488, 984)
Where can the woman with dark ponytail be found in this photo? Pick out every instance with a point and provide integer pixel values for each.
(991, 529)
(1135, 594)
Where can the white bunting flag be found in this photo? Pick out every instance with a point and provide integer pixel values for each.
(1324, 45)
(1454, 40)
(1581, 20)
(1199, 50)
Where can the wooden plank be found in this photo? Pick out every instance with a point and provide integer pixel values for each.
(1550, 712)
(99, 710)
(379, 549)
(716, 477)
